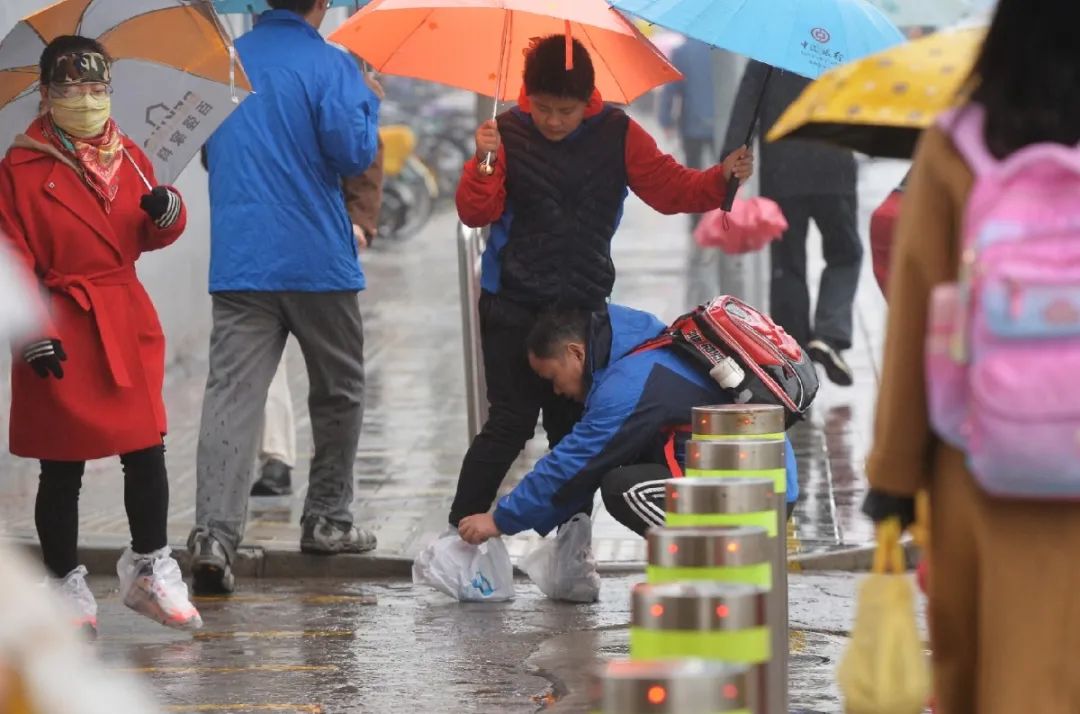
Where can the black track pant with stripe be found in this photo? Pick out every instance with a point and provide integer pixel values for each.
(634, 495)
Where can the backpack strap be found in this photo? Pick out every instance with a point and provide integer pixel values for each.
(965, 127)
(669, 448)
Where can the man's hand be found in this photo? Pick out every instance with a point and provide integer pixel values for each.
(487, 139)
(374, 86)
(479, 528)
(740, 164)
(362, 240)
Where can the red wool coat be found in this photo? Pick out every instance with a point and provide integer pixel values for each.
(109, 401)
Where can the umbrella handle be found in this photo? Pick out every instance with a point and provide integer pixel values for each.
(734, 183)
(729, 197)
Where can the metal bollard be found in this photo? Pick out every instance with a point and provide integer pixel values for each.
(763, 422)
(470, 248)
(704, 502)
(725, 622)
(726, 460)
(731, 555)
(691, 686)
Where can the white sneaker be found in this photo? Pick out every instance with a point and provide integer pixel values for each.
(76, 593)
(152, 586)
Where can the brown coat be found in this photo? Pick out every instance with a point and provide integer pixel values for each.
(363, 195)
(1005, 574)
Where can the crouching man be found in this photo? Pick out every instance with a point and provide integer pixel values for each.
(636, 402)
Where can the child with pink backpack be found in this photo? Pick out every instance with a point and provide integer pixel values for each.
(980, 393)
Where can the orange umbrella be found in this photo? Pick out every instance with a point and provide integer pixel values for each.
(480, 45)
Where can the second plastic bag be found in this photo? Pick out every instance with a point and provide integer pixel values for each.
(884, 668)
(470, 573)
(563, 567)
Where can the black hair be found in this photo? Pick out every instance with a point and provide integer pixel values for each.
(61, 46)
(1027, 74)
(546, 73)
(556, 328)
(300, 7)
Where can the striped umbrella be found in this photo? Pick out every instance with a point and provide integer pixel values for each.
(175, 73)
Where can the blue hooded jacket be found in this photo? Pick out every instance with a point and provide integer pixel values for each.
(632, 400)
(278, 219)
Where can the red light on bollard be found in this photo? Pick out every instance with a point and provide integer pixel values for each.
(673, 548)
(731, 691)
(656, 610)
(656, 695)
(722, 611)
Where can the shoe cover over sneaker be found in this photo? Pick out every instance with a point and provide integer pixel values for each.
(152, 586)
(76, 592)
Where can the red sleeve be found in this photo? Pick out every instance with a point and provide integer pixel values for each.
(14, 236)
(665, 184)
(481, 200)
(155, 238)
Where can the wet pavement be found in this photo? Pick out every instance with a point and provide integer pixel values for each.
(335, 648)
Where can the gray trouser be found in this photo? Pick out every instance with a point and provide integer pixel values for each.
(249, 333)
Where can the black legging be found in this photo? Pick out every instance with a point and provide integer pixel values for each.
(56, 513)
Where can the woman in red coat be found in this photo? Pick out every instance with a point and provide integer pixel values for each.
(75, 205)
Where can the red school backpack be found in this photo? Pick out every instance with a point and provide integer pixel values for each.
(746, 353)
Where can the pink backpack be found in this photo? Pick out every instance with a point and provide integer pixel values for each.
(1003, 349)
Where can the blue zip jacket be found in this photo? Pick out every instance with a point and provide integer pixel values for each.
(633, 398)
(278, 220)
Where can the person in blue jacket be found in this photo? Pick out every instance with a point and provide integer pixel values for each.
(634, 402)
(283, 260)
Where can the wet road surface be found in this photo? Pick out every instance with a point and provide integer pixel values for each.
(336, 648)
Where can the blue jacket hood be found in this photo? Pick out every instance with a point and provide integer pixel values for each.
(617, 334)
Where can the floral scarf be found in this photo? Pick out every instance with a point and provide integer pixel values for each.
(99, 159)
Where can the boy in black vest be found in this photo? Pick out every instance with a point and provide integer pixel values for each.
(563, 163)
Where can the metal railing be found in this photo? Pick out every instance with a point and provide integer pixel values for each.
(471, 242)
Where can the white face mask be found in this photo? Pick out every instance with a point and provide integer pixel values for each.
(83, 116)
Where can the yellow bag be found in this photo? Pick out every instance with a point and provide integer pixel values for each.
(884, 669)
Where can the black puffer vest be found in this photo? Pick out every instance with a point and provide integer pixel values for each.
(567, 197)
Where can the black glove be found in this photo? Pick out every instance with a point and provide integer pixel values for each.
(879, 506)
(162, 205)
(45, 358)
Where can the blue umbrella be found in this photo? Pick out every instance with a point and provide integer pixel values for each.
(807, 37)
(248, 7)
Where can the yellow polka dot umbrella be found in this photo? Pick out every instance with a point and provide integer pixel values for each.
(880, 104)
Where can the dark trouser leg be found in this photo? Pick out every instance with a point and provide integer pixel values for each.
(146, 498)
(56, 514)
(697, 152)
(515, 395)
(330, 331)
(634, 495)
(245, 350)
(843, 250)
(789, 294)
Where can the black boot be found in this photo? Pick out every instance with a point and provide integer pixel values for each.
(275, 480)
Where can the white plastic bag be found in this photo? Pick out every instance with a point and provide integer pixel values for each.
(563, 567)
(470, 573)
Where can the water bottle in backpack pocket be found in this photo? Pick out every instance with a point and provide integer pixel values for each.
(1003, 343)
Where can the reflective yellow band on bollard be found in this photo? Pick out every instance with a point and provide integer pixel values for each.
(749, 646)
(761, 519)
(779, 476)
(759, 574)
